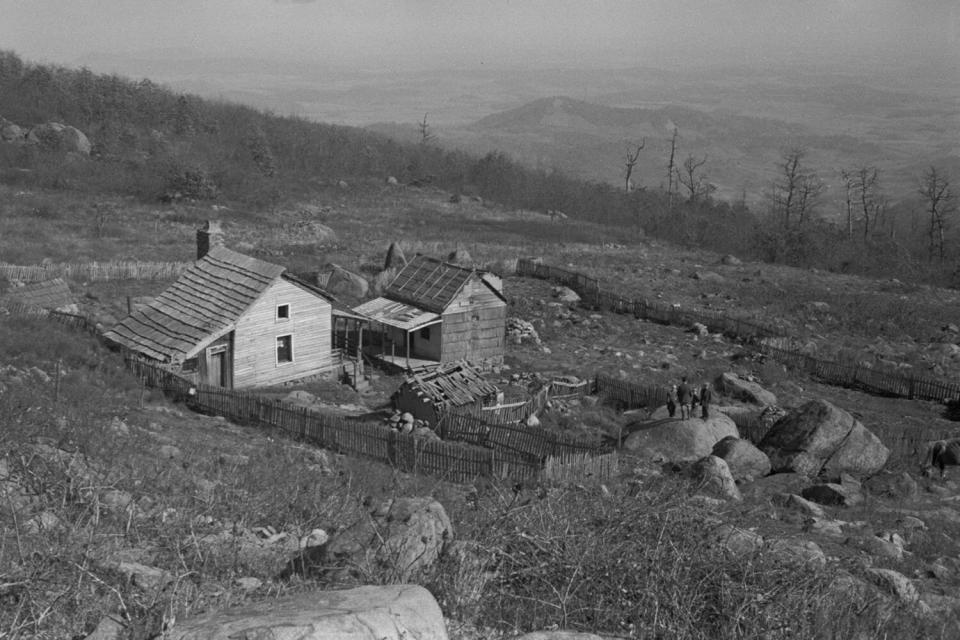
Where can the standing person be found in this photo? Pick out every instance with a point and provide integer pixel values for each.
(683, 398)
(672, 401)
(705, 397)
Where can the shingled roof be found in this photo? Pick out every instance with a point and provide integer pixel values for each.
(428, 283)
(49, 294)
(202, 305)
(451, 384)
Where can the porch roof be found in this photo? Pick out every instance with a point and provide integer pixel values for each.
(397, 314)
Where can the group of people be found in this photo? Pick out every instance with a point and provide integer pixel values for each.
(686, 397)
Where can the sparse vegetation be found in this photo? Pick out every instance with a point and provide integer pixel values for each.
(634, 558)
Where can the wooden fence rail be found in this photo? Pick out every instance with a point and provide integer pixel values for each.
(767, 339)
(95, 271)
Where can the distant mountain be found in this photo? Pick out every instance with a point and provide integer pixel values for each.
(591, 141)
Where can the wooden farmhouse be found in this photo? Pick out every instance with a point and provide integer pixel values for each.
(434, 311)
(427, 393)
(233, 321)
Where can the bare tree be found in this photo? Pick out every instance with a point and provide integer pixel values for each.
(632, 162)
(863, 192)
(426, 136)
(935, 190)
(671, 168)
(796, 193)
(696, 185)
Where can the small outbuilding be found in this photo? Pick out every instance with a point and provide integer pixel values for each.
(52, 295)
(434, 311)
(429, 392)
(233, 321)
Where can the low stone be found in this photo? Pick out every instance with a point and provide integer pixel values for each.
(170, 452)
(733, 386)
(744, 459)
(109, 628)
(145, 577)
(392, 612)
(793, 502)
(713, 477)
(249, 583)
(894, 583)
(737, 542)
(833, 495)
(824, 527)
(794, 550)
(875, 546)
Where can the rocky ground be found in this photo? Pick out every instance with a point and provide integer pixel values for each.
(185, 507)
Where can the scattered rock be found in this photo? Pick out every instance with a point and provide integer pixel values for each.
(746, 461)
(738, 543)
(876, 546)
(713, 477)
(249, 583)
(170, 452)
(109, 628)
(795, 503)
(400, 538)
(566, 295)
(833, 494)
(894, 583)
(796, 550)
(731, 260)
(145, 577)
(732, 385)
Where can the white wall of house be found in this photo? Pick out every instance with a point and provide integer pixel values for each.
(308, 324)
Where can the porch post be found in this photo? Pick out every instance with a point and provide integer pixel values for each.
(408, 348)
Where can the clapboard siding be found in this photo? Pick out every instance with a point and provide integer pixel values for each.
(257, 330)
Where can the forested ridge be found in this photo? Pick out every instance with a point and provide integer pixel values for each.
(153, 144)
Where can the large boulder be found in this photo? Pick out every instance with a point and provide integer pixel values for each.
(733, 386)
(10, 132)
(59, 137)
(713, 478)
(392, 612)
(745, 461)
(400, 538)
(819, 437)
(679, 440)
(346, 283)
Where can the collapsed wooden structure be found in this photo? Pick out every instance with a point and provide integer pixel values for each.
(430, 392)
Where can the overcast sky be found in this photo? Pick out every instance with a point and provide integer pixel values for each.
(491, 33)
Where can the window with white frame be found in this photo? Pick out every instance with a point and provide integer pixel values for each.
(284, 349)
(283, 312)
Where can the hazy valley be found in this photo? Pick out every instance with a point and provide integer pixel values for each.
(583, 122)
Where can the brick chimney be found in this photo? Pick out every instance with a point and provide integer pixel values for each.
(209, 235)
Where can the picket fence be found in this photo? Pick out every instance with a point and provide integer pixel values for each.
(505, 452)
(764, 338)
(95, 271)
